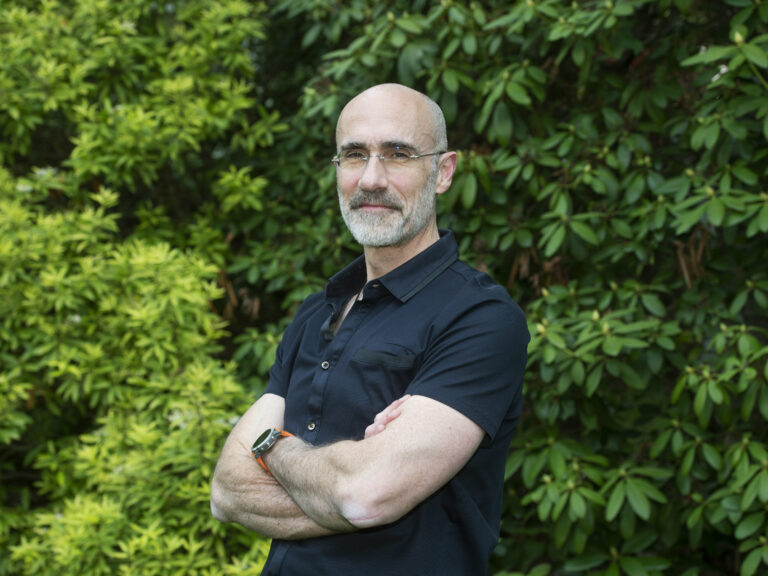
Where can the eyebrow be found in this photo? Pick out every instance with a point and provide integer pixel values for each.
(387, 144)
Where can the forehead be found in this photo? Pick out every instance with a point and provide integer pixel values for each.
(385, 116)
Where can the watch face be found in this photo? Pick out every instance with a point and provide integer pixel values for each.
(264, 435)
(265, 441)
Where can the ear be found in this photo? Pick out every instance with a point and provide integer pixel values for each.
(445, 171)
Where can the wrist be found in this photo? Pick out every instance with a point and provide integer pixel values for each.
(265, 442)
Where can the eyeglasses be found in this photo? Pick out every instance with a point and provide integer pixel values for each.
(394, 158)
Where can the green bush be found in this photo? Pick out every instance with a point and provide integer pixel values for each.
(612, 175)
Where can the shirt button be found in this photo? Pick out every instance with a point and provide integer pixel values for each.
(325, 364)
(311, 426)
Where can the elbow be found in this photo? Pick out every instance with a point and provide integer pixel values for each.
(366, 504)
(219, 502)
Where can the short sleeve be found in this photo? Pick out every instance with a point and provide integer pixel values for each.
(280, 372)
(278, 376)
(476, 361)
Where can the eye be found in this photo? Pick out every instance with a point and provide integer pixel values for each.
(397, 153)
(354, 155)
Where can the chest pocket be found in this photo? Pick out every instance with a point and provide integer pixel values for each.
(385, 359)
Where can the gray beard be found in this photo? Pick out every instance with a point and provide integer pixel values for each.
(393, 227)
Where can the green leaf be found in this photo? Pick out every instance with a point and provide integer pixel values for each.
(593, 380)
(700, 401)
(635, 188)
(745, 174)
(469, 43)
(637, 499)
(712, 54)
(653, 304)
(585, 562)
(557, 464)
(451, 80)
(562, 528)
(577, 372)
(615, 502)
(762, 400)
(749, 525)
(650, 490)
(584, 232)
(540, 570)
(469, 191)
(694, 519)
(755, 54)
(687, 463)
(739, 302)
(517, 94)
(715, 211)
(762, 490)
(632, 566)
(752, 562)
(555, 241)
(660, 443)
(409, 25)
(578, 505)
(712, 456)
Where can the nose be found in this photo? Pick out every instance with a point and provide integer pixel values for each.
(374, 175)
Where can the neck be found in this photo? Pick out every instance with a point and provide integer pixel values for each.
(381, 260)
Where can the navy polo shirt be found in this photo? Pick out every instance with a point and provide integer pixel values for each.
(435, 327)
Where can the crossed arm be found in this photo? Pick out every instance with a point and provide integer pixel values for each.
(412, 449)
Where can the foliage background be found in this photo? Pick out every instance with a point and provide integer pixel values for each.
(166, 201)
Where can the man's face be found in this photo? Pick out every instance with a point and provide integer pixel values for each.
(385, 205)
(385, 218)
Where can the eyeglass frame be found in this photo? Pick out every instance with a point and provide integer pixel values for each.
(336, 160)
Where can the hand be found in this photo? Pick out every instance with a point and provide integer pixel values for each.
(385, 417)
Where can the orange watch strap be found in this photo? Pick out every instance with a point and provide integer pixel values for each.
(259, 459)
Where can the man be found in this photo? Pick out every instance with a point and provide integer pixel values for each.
(401, 383)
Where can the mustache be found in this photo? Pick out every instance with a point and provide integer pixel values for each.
(381, 199)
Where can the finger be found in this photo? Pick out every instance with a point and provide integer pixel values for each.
(373, 429)
(391, 415)
(399, 401)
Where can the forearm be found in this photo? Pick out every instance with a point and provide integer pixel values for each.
(253, 499)
(243, 493)
(315, 479)
(351, 485)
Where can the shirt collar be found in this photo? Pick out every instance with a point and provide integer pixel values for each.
(405, 280)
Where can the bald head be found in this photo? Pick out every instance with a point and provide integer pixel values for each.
(422, 114)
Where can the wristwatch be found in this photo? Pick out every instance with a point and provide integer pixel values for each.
(264, 442)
